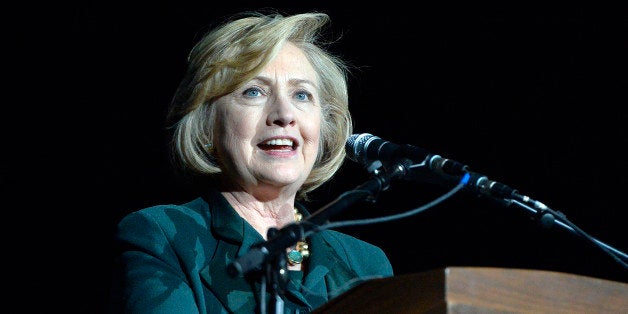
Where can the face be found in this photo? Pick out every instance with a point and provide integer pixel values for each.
(268, 131)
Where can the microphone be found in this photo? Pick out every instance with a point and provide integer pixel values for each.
(365, 148)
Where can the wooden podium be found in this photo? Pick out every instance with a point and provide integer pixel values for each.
(483, 290)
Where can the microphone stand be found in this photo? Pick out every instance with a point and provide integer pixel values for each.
(547, 218)
(270, 255)
(481, 185)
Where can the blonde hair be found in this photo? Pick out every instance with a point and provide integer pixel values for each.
(231, 55)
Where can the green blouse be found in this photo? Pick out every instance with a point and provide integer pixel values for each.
(173, 259)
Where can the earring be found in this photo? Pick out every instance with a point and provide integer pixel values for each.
(209, 148)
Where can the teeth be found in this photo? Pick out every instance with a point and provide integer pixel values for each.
(282, 142)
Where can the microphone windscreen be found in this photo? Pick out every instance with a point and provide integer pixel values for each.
(356, 146)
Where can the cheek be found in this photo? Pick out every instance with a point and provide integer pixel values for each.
(314, 123)
(311, 131)
(235, 130)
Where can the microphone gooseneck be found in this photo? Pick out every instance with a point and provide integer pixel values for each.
(366, 149)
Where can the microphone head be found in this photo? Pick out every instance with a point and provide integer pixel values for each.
(356, 147)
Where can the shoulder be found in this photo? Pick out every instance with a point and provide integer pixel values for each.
(172, 233)
(359, 254)
(165, 223)
(346, 240)
(170, 215)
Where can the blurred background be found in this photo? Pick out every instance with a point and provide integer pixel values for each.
(531, 96)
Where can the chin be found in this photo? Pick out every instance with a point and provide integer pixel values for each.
(286, 179)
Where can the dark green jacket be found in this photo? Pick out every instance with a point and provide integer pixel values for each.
(173, 259)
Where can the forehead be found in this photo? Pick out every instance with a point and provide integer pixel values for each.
(292, 61)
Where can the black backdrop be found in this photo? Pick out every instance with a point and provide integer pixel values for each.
(531, 96)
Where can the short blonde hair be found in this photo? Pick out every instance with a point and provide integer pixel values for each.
(231, 55)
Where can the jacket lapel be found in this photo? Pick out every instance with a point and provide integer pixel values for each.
(235, 294)
(328, 274)
(326, 278)
(234, 238)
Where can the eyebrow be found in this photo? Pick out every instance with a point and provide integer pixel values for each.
(295, 81)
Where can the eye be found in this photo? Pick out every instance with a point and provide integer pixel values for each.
(303, 96)
(253, 92)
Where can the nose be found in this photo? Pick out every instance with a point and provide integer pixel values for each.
(281, 112)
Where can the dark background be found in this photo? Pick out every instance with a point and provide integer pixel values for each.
(531, 96)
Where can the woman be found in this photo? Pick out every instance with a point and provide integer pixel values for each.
(262, 115)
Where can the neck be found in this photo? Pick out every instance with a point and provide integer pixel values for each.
(262, 215)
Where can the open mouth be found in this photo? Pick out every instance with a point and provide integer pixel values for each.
(278, 144)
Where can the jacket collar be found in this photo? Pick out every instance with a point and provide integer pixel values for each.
(324, 280)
